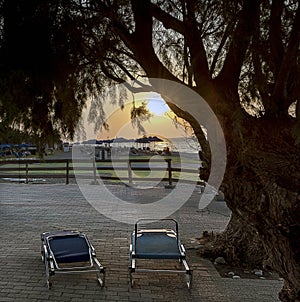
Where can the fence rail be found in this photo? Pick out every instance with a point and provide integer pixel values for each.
(26, 169)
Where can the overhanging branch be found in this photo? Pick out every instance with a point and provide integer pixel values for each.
(167, 20)
(240, 41)
(225, 36)
(288, 66)
(275, 37)
(194, 41)
(205, 154)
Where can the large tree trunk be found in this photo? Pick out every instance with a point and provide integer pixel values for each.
(262, 181)
(267, 218)
(239, 244)
(261, 186)
(256, 224)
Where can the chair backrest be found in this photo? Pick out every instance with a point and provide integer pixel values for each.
(161, 221)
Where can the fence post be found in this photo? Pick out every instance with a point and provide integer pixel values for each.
(170, 172)
(94, 172)
(67, 171)
(26, 177)
(129, 172)
(170, 180)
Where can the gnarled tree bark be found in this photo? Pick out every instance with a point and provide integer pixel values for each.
(262, 155)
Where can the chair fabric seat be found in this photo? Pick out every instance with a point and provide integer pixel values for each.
(73, 250)
(69, 249)
(156, 246)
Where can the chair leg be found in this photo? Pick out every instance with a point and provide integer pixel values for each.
(131, 277)
(100, 270)
(48, 274)
(131, 271)
(189, 278)
(101, 280)
(131, 267)
(49, 284)
(45, 259)
(42, 252)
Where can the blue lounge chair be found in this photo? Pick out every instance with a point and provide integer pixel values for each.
(157, 244)
(69, 252)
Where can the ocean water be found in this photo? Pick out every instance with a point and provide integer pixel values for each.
(184, 145)
(177, 144)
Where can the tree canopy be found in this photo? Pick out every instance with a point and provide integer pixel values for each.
(54, 54)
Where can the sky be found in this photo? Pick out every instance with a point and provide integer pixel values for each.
(160, 124)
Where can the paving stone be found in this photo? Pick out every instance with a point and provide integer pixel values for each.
(28, 210)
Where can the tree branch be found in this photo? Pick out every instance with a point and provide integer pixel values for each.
(198, 55)
(275, 37)
(167, 20)
(225, 36)
(205, 154)
(143, 22)
(193, 40)
(260, 78)
(288, 65)
(122, 67)
(240, 41)
(140, 42)
(109, 74)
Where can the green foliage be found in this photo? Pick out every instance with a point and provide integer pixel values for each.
(57, 54)
(139, 114)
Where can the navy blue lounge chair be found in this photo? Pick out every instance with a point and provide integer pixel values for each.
(69, 252)
(157, 244)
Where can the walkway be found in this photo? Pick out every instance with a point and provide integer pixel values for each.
(28, 210)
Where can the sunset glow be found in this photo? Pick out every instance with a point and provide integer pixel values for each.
(157, 106)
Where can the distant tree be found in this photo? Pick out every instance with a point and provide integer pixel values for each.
(241, 56)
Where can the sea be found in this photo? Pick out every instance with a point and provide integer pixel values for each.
(181, 144)
(177, 144)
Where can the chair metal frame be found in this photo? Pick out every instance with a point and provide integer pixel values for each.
(52, 265)
(179, 256)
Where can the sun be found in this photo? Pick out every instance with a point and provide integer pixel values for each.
(157, 106)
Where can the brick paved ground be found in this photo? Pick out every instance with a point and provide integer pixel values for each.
(28, 210)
